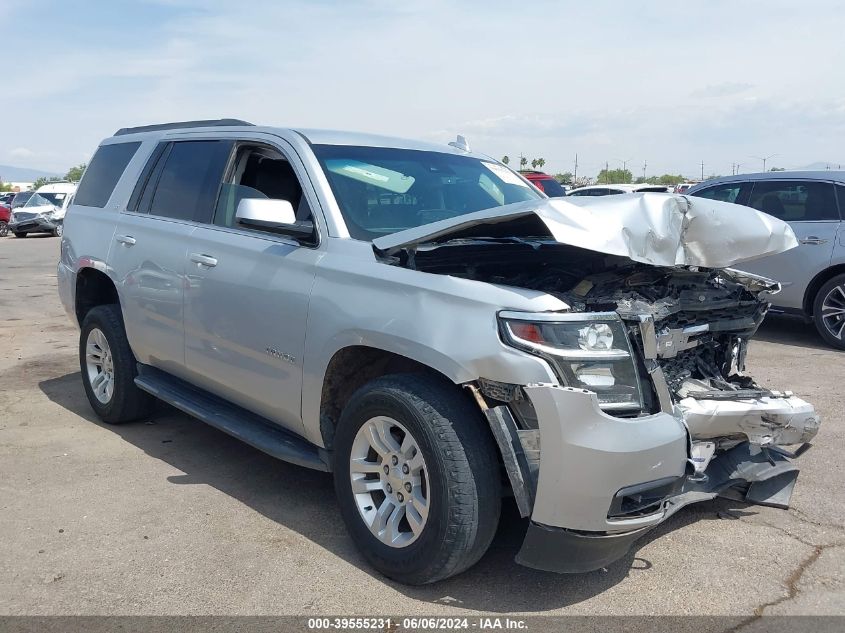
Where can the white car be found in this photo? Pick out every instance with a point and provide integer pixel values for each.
(612, 190)
(44, 212)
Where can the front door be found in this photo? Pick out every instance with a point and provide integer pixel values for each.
(247, 295)
(810, 209)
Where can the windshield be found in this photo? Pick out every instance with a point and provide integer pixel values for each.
(43, 199)
(383, 190)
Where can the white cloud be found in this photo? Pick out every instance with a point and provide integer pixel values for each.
(601, 79)
(21, 153)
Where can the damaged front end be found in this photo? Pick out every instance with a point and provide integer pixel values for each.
(653, 410)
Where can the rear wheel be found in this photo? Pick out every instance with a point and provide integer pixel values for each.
(829, 311)
(58, 231)
(109, 367)
(4, 228)
(20, 234)
(417, 477)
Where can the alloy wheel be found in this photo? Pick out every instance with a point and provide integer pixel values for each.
(833, 311)
(100, 365)
(389, 481)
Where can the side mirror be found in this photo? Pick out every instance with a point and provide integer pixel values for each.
(275, 216)
(265, 211)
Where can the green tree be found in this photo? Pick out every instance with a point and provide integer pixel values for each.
(40, 182)
(565, 178)
(777, 169)
(506, 159)
(5, 186)
(74, 174)
(522, 162)
(668, 179)
(614, 177)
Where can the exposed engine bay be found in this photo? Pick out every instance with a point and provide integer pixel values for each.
(689, 327)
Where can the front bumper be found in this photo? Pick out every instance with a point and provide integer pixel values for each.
(602, 482)
(34, 225)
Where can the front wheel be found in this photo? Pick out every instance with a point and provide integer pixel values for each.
(417, 477)
(58, 231)
(109, 367)
(829, 311)
(20, 234)
(4, 228)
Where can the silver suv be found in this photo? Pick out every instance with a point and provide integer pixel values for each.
(425, 324)
(812, 275)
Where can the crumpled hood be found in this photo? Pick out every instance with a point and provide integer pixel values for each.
(651, 228)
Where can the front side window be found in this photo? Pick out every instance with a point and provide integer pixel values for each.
(186, 179)
(795, 200)
(103, 172)
(259, 172)
(550, 187)
(383, 190)
(734, 192)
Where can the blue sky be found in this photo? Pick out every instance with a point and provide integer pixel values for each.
(667, 83)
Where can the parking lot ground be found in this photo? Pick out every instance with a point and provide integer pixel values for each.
(169, 516)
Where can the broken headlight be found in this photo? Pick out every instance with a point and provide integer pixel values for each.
(587, 350)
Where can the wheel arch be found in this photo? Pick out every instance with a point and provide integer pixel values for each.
(353, 366)
(93, 288)
(816, 283)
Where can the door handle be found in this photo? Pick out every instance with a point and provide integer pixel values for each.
(204, 260)
(812, 239)
(126, 240)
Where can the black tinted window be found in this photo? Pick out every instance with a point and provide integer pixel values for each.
(551, 187)
(795, 200)
(729, 192)
(186, 186)
(102, 174)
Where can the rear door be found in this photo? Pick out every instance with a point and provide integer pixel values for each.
(248, 290)
(179, 184)
(811, 210)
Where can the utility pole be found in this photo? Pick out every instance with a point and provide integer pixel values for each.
(765, 158)
(645, 164)
(575, 175)
(702, 170)
(606, 173)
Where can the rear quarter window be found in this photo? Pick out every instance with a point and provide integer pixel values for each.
(103, 172)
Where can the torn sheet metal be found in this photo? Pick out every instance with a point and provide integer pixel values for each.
(651, 228)
(764, 421)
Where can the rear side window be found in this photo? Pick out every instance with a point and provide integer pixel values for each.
(185, 182)
(734, 192)
(103, 172)
(550, 187)
(795, 200)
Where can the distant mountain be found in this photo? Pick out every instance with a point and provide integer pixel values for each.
(22, 174)
(819, 166)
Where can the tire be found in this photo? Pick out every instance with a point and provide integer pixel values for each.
(828, 320)
(123, 402)
(21, 234)
(58, 231)
(4, 229)
(461, 475)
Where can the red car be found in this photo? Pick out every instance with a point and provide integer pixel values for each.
(5, 214)
(544, 183)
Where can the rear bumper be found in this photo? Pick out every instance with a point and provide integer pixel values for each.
(604, 482)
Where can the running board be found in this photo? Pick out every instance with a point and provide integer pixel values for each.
(232, 419)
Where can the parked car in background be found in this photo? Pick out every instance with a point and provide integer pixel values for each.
(44, 211)
(6, 198)
(545, 183)
(812, 275)
(683, 187)
(5, 215)
(613, 190)
(423, 323)
(20, 199)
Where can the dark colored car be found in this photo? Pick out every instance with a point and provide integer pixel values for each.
(545, 183)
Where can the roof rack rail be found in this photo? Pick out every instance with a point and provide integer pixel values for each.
(180, 124)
